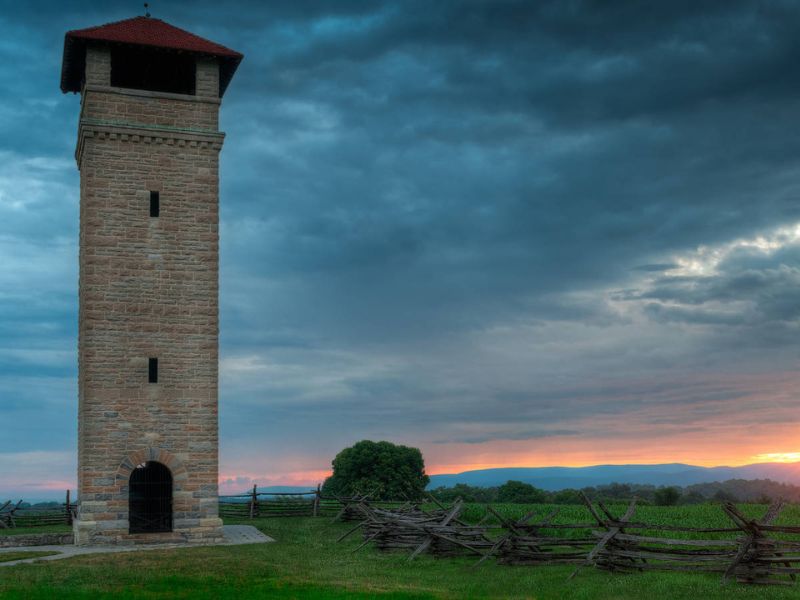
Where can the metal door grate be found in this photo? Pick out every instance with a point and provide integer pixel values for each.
(150, 498)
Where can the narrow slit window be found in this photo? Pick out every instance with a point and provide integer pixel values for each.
(152, 370)
(155, 204)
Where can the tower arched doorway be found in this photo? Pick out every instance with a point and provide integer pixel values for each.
(150, 498)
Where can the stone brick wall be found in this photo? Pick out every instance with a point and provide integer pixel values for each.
(114, 106)
(207, 82)
(98, 66)
(148, 288)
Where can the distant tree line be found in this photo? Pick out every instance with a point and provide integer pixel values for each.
(386, 471)
(47, 504)
(733, 490)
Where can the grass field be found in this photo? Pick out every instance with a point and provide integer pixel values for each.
(305, 562)
(42, 529)
(11, 556)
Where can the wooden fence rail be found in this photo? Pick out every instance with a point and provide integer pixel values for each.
(253, 504)
(257, 504)
(16, 515)
(613, 543)
(313, 503)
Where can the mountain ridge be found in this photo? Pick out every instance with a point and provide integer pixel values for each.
(679, 474)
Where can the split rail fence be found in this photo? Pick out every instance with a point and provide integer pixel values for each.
(14, 515)
(313, 503)
(254, 504)
(269, 504)
(750, 551)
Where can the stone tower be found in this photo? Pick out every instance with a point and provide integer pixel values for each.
(148, 154)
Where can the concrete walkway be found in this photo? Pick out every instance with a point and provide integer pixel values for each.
(235, 535)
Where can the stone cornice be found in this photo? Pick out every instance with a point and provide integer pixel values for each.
(146, 134)
(149, 94)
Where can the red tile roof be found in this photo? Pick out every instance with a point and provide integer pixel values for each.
(142, 31)
(148, 31)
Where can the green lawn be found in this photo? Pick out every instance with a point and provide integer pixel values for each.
(11, 556)
(305, 562)
(42, 529)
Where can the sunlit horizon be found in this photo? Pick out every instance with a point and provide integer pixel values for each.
(235, 482)
(778, 457)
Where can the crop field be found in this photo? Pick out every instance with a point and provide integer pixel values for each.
(691, 515)
(306, 562)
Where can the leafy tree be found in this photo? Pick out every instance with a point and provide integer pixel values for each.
(518, 492)
(616, 491)
(484, 495)
(667, 496)
(384, 470)
(693, 497)
(722, 495)
(468, 493)
(568, 496)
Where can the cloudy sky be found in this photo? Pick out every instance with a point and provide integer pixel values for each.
(509, 233)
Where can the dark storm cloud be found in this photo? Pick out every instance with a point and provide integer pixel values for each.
(429, 210)
(489, 152)
(523, 434)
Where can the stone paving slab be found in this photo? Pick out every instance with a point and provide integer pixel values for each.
(243, 534)
(235, 535)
